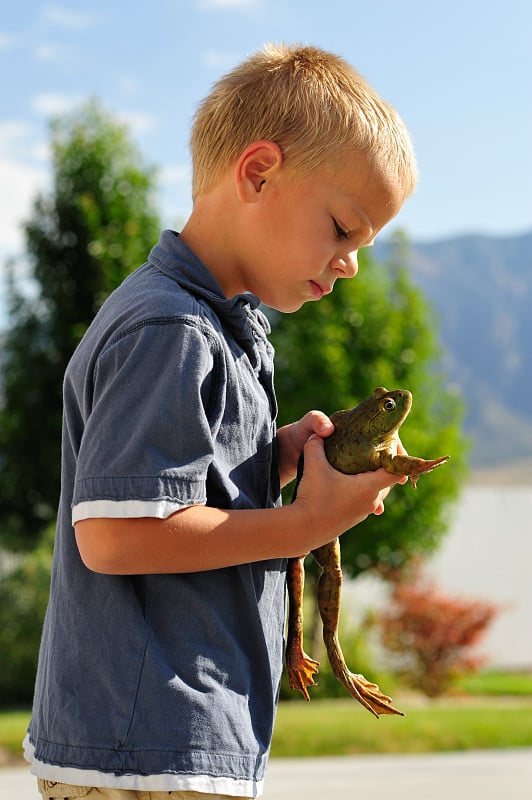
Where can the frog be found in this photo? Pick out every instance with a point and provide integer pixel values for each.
(365, 438)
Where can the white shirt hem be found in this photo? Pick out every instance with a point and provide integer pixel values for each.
(132, 509)
(167, 782)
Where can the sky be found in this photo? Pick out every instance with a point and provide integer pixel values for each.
(459, 73)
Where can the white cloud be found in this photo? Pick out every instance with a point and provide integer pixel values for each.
(68, 19)
(175, 174)
(127, 85)
(6, 41)
(20, 179)
(40, 151)
(218, 60)
(55, 103)
(21, 183)
(46, 51)
(206, 5)
(19, 141)
(138, 121)
(13, 132)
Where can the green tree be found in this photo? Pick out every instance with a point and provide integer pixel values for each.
(96, 224)
(378, 330)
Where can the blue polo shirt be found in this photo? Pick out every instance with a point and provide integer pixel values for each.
(163, 682)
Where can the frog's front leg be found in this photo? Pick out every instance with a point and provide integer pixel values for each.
(329, 593)
(301, 668)
(412, 466)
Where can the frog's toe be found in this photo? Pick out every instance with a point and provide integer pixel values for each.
(416, 467)
(370, 696)
(301, 672)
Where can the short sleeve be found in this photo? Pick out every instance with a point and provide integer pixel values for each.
(147, 441)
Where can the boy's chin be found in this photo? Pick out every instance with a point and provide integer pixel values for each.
(286, 307)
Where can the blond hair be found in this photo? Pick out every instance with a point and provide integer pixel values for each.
(311, 103)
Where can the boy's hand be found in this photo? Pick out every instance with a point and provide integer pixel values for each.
(335, 502)
(291, 440)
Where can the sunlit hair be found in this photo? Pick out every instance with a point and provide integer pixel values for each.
(311, 103)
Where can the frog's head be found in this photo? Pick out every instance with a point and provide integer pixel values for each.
(378, 418)
(386, 411)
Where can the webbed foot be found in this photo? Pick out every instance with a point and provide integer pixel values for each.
(301, 670)
(368, 694)
(426, 466)
(414, 467)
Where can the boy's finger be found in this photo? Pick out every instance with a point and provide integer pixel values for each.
(313, 442)
(313, 450)
(386, 479)
(320, 423)
(379, 510)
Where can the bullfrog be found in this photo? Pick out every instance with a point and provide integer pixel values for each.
(365, 438)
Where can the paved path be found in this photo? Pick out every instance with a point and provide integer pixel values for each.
(486, 774)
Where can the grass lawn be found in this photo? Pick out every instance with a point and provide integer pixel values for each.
(492, 710)
(341, 727)
(13, 726)
(497, 683)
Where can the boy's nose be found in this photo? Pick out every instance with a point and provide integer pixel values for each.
(346, 265)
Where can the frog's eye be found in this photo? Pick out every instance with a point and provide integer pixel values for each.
(389, 404)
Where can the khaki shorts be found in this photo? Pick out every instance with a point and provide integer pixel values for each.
(52, 791)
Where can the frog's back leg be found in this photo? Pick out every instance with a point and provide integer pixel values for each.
(329, 594)
(301, 668)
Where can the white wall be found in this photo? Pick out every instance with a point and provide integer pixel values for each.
(487, 555)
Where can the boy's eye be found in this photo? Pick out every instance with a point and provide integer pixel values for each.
(341, 234)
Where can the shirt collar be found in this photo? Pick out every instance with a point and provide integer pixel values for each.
(172, 256)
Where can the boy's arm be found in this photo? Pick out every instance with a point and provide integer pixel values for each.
(202, 538)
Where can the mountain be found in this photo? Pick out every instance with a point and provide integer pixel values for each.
(481, 290)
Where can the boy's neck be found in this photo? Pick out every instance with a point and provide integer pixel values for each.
(208, 233)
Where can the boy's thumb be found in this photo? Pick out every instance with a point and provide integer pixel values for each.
(312, 444)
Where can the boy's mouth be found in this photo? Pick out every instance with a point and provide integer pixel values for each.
(319, 290)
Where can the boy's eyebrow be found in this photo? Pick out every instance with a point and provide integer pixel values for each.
(362, 229)
(361, 216)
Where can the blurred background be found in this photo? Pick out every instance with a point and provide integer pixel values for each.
(97, 103)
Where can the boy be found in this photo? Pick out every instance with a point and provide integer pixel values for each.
(162, 648)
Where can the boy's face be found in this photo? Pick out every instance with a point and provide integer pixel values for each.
(304, 233)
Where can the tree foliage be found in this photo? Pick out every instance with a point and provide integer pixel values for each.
(96, 224)
(378, 330)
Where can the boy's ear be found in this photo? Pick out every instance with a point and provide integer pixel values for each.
(256, 165)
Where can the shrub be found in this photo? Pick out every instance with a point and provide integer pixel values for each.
(23, 599)
(432, 634)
